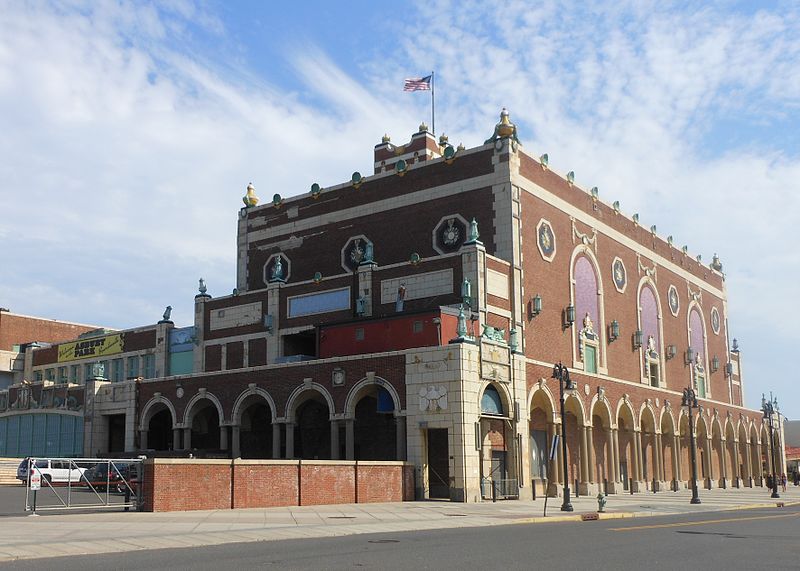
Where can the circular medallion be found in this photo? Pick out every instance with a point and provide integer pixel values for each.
(715, 321)
(449, 234)
(546, 240)
(619, 274)
(674, 302)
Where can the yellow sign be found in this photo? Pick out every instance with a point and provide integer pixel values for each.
(90, 348)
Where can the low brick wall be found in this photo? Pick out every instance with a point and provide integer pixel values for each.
(181, 484)
(178, 484)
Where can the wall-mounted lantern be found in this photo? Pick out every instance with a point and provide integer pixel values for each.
(535, 305)
(613, 331)
(569, 316)
(689, 356)
(671, 351)
(637, 338)
(715, 364)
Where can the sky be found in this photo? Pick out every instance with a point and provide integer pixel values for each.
(129, 132)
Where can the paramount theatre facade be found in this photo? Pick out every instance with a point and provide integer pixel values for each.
(416, 314)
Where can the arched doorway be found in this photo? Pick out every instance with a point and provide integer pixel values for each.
(205, 431)
(628, 458)
(375, 425)
(159, 429)
(601, 456)
(542, 431)
(255, 429)
(573, 426)
(718, 475)
(650, 464)
(312, 432)
(494, 446)
(669, 451)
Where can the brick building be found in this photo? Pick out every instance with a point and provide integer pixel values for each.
(416, 314)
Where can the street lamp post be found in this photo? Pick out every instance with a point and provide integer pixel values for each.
(561, 373)
(689, 400)
(769, 407)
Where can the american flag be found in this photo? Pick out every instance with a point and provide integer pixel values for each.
(417, 83)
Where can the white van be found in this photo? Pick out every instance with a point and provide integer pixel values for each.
(57, 471)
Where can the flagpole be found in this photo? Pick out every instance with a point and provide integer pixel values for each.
(433, 106)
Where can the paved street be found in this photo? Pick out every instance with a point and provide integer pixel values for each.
(766, 537)
(75, 534)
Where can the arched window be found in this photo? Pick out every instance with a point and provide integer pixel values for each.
(649, 312)
(491, 403)
(587, 313)
(697, 343)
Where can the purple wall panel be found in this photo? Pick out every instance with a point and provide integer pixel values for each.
(586, 299)
(649, 316)
(696, 325)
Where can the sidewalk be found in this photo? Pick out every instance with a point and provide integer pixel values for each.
(108, 532)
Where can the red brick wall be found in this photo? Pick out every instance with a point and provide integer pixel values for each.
(265, 483)
(378, 482)
(18, 329)
(182, 485)
(327, 482)
(234, 355)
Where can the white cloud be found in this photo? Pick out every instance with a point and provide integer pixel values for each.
(125, 151)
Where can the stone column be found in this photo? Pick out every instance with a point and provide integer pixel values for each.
(176, 439)
(143, 439)
(636, 449)
(289, 426)
(615, 453)
(583, 466)
(236, 448)
(725, 476)
(349, 443)
(334, 439)
(187, 438)
(276, 440)
(660, 477)
(676, 465)
(553, 465)
(709, 463)
(591, 460)
(401, 438)
(223, 437)
(759, 464)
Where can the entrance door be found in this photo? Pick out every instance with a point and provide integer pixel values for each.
(438, 463)
(116, 433)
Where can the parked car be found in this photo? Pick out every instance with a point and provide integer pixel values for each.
(53, 471)
(114, 475)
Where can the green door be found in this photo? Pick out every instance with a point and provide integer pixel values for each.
(590, 358)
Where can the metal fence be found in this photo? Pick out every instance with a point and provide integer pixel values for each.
(499, 489)
(81, 483)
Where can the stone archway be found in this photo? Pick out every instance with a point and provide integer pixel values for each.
(159, 430)
(312, 430)
(375, 425)
(204, 426)
(718, 472)
(649, 448)
(628, 450)
(573, 426)
(733, 470)
(542, 430)
(703, 452)
(256, 429)
(669, 451)
(601, 454)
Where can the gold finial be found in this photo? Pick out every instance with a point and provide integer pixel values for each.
(250, 199)
(386, 138)
(423, 128)
(460, 147)
(443, 140)
(505, 128)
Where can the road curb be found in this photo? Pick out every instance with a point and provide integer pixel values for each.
(595, 516)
